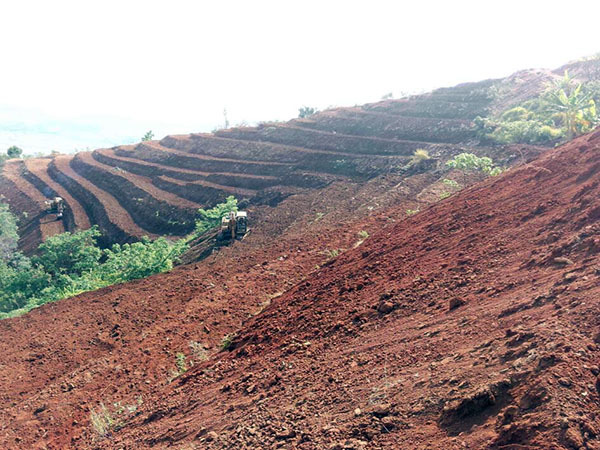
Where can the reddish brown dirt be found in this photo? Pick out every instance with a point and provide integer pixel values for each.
(474, 324)
(143, 183)
(97, 347)
(39, 167)
(48, 224)
(116, 213)
(475, 319)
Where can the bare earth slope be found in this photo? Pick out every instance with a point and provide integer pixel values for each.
(474, 324)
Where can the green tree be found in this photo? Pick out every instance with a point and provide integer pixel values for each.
(148, 136)
(306, 111)
(210, 218)
(573, 104)
(14, 152)
(139, 260)
(8, 233)
(68, 253)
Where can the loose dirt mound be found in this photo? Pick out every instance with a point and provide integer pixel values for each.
(474, 324)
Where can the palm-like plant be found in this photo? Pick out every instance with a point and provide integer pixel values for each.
(576, 107)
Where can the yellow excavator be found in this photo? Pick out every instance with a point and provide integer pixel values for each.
(56, 206)
(234, 226)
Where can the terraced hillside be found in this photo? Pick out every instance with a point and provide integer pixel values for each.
(339, 322)
(155, 188)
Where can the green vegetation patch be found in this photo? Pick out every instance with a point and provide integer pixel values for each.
(564, 110)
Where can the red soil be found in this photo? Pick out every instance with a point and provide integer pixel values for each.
(229, 189)
(39, 167)
(116, 213)
(48, 224)
(143, 183)
(474, 324)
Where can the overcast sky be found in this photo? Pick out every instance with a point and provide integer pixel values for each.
(114, 69)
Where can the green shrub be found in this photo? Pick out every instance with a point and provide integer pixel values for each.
(101, 420)
(227, 341)
(8, 232)
(468, 162)
(419, 155)
(306, 111)
(14, 152)
(451, 183)
(515, 114)
(332, 253)
(363, 234)
(71, 263)
(148, 136)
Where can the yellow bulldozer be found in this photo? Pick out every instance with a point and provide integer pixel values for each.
(234, 226)
(56, 206)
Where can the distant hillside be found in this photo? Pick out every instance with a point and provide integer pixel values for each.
(154, 188)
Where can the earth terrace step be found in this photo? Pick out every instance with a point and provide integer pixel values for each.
(221, 144)
(68, 219)
(140, 181)
(321, 161)
(102, 208)
(350, 165)
(180, 159)
(431, 108)
(286, 133)
(208, 194)
(356, 122)
(15, 171)
(38, 167)
(154, 215)
(154, 170)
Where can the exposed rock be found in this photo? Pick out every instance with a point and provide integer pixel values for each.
(454, 303)
(473, 404)
(285, 434)
(565, 382)
(211, 436)
(380, 410)
(385, 307)
(561, 261)
(573, 438)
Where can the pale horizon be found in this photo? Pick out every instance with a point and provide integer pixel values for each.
(80, 76)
